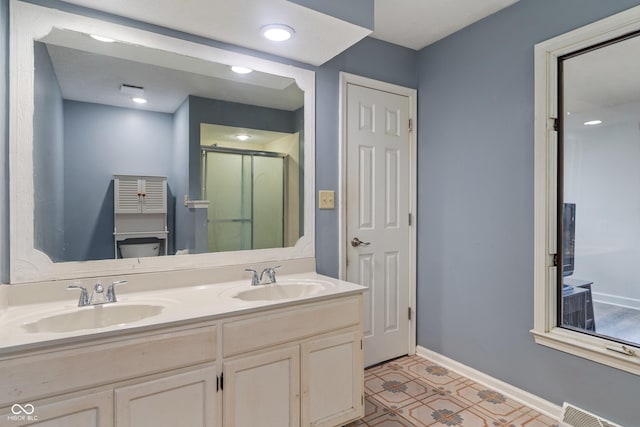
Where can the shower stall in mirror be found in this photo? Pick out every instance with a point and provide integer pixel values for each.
(247, 198)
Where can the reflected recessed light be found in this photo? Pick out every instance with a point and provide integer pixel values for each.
(101, 38)
(592, 122)
(277, 32)
(241, 70)
(139, 100)
(242, 137)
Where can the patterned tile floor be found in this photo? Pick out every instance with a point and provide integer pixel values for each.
(413, 391)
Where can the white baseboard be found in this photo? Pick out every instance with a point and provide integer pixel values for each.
(531, 400)
(617, 300)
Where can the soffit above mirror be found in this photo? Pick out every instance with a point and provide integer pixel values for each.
(318, 36)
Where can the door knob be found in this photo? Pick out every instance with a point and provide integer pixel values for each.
(355, 242)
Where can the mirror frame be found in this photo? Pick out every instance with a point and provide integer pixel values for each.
(29, 23)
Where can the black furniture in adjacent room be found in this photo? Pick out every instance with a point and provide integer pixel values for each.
(577, 304)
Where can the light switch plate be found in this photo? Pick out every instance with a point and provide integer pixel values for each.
(326, 199)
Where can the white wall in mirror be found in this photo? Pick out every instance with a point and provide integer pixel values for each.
(30, 23)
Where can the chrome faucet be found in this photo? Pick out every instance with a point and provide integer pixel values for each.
(84, 296)
(111, 292)
(257, 280)
(271, 273)
(98, 296)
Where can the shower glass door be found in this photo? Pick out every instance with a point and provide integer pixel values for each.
(246, 200)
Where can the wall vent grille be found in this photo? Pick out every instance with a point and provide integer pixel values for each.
(576, 417)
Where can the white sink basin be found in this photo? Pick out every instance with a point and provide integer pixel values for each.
(93, 317)
(277, 291)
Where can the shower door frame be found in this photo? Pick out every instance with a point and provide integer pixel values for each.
(226, 150)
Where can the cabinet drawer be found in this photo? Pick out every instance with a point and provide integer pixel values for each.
(288, 325)
(73, 369)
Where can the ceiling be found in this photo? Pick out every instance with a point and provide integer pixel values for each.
(419, 23)
(91, 71)
(319, 37)
(602, 84)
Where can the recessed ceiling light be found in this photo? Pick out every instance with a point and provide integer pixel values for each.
(139, 100)
(592, 122)
(242, 137)
(101, 38)
(241, 70)
(277, 32)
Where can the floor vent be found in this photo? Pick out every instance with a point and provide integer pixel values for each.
(576, 417)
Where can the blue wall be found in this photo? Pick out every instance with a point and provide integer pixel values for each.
(475, 217)
(101, 141)
(369, 58)
(48, 145)
(179, 179)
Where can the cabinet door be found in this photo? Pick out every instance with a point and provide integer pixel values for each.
(126, 190)
(332, 380)
(92, 410)
(263, 390)
(154, 194)
(187, 399)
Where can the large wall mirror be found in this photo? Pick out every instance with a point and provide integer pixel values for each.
(234, 152)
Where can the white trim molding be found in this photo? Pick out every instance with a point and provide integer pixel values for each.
(546, 330)
(412, 94)
(617, 300)
(531, 400)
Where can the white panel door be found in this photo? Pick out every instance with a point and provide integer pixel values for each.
(377, 206)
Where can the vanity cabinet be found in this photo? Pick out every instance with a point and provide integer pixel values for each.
(263, 390)
(187, 399)
(89, 410)
(316, 382)
(294, 366)
(332, 380)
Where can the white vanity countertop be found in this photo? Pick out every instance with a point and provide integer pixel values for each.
(181, 305)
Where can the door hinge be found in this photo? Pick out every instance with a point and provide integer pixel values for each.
(217, 383)
(555, 124)
(555, 260)
(409, 313)
(410, 125)
(222, 381)
(410, 219)
(361, 345)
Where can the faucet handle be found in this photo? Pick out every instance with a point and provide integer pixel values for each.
(271, 273)
(84, 295)
(255, 280)
(111, 292)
